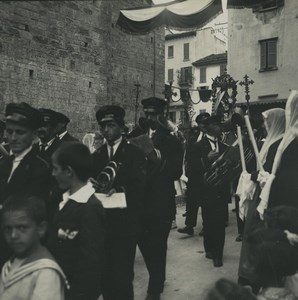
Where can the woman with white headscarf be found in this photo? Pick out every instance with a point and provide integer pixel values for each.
(282, 186)
(274, 122)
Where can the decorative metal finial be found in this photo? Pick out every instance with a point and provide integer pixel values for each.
(224, 92)
(246, 82)
(137, 85)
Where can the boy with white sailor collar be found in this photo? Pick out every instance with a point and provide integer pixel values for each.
(76, 238)
(31, 272)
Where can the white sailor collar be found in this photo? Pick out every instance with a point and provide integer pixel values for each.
(81, 196)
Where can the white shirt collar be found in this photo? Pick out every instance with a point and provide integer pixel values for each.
(81, 196)
(151, 132)
(210, 137)
(115, 146)
(20, 156)
(61, 135)
(48, 144)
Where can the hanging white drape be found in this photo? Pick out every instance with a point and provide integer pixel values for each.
(183, 15)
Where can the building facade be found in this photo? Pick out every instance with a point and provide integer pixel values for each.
(182, 50)
(263, 44)
(70, 56)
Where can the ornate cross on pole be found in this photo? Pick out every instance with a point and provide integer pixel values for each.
(246, 82)
(137, 85)
(168, 95)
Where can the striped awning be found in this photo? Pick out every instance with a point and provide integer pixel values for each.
(181, 15)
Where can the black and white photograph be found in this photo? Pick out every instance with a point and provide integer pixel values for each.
(148, 150)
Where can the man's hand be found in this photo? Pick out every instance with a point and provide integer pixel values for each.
(213, 155)
(111, 192)
(94, 183)
(262, 178)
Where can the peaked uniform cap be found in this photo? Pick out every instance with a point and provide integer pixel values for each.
(49, 116)
(61, 118)
(110, 113)
(211, 120)
(201, 117)
(154, 105)
(23, 114)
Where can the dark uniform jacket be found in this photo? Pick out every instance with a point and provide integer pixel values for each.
(68, 138)
(160, 190)
(130, 178)
(47, 154)
(31, 177)
(198, 164)
(56, 192)
(81, 257)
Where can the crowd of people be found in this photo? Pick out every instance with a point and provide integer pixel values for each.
(62, 239)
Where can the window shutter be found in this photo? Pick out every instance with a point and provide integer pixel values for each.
(263, 55)
(272, 54)
(186, 51)
(170, 74)
(222, 69)
(202, 74)
(182, 75)
(188, 77)
(170, 51)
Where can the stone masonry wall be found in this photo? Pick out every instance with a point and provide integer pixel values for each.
(70, 56)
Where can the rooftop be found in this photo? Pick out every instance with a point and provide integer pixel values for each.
(213, 59)
(180, 35)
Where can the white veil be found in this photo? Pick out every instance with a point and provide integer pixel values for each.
(275, 123)
(290, 134)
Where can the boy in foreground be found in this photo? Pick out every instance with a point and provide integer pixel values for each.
(76, 238)
(32, 272)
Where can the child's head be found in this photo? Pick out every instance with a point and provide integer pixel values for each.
(23, 221)
(272, 256)
(282, 217)
(72, 160)
(225, 289)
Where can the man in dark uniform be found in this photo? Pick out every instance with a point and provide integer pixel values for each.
(4, 148)
(122, 225)
(192, 192)
(62, 132)
(213, 201)
(165, 166)
(49, 142)
(23, 171)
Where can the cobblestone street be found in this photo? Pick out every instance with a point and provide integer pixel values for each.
(189, 273)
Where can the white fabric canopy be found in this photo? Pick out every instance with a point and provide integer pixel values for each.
(182, 15)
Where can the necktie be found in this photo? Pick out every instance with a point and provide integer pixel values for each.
(43, 148)
(111, 150)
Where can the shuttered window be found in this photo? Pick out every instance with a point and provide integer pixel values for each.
(170, 51)
(202, 74)
(170, 74)
(186, 51)
(186, 75)
(268, 54)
